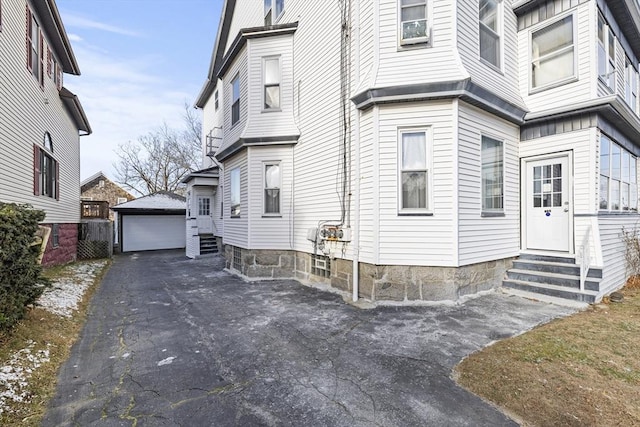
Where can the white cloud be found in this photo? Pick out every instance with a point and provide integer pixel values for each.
(74, 38)
(76, 21)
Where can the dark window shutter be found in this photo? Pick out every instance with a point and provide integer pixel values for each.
(57, 166)
(48, 62)
(29, 22)
(36, 170)
(41, 69)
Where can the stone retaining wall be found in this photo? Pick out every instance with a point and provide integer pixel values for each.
(377, 282)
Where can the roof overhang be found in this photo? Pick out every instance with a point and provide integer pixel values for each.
(143, 211)
(207, 176)
(244, 143)
(73, 106)
(51, 23)
(464, 89)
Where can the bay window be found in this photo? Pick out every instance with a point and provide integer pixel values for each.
(414, 171)
(618, 177)
(492, 159)
(271, 77)
(234, 182)
(272, 184)
(552, 54)
(489, 11)
(235, 100)
(413, 21)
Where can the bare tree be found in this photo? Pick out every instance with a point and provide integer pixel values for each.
(160, 159)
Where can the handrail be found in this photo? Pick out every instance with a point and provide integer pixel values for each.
(585, 258)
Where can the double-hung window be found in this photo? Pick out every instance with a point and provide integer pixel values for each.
(35, 45)
(272, 11)
(618, 177)
(234, 184)
(606, 53)
(631, 85)
(215, 100)
(492, 155)
(489, 14)
(552, 54)
(413, 21)
(414, 174)
(45, 177)
(272, 184)
(235, 100)
(271, 78)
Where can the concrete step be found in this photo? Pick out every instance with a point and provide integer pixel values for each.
(554, 267)
(556, 279)
(551, 290)
(547, 258)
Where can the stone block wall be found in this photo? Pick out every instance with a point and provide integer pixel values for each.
(377, 282)
(67, 248)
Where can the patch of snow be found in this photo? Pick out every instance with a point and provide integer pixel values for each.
(124, 356)
(65, 294)
(15, 374)
(167, 361)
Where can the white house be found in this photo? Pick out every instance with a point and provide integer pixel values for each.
(40, 120)
(423, 150)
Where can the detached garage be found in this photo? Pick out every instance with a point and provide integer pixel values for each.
(152, 222)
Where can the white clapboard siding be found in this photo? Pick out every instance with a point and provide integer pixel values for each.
(212, 122)
(247, 14)
(484, 239)
(503, 81)
(437, 62)
(26, 113)
(236, 230)
(368, 186)
(417, 240)
(614, 271)
(231, 133)
(270, 232)
(270, 123)
(582, 144)
(571, 93)
(367, 38)
(218, 206)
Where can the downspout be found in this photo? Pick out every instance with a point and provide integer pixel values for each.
(356, 159)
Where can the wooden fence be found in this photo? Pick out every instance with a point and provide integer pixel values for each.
(95, 239)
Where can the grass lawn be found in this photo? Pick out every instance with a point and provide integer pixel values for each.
(583, 370)
(32, 353)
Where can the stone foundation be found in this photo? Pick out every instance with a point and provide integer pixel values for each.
(67, 248)
(377, 282)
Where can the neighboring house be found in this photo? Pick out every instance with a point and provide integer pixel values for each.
(421, 150)
(40, 121)
(152, 222)
(99, 188)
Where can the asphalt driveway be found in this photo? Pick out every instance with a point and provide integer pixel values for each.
(177, 342)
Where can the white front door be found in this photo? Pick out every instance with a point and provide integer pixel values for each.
(205, 218)
(548, 204)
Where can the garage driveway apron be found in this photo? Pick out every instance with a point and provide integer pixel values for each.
(177, 342)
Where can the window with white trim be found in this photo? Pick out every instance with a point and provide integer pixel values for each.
(204, 206)
(618, 177)
(271, 78)
(606, 53)
(412, 18)
(490, 12)
(492, 155)
(235, 100)
(414, 173)
(234, 181)
(215, 100)
(552, 54)
(35, 47)
(272, 11)
(272, 184)
(631, 85)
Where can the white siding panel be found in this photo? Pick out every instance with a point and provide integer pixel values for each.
(484, 239)
(231, 133)
(247, 13)
(417, 240)
(27, 112)
(236, 230)
(614, 271)
(270, 232)
(505, 81)
(368, 189)
(438, 62)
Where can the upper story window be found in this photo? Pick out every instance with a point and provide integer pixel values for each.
(235, 100)
(215, 100)
(552, 54)
(413, 22)
(272, 11)
(272, 183)
(414, 173)
(45, 170)
(618, 177)
(492, 175)
(606, 53)
(35, 45)
(0, 16)
(631, 85)
(490, 29)
(234, 184)
(271, 77)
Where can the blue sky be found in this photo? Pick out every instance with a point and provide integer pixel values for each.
(140, 60)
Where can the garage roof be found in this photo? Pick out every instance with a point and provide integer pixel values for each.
(160, 202)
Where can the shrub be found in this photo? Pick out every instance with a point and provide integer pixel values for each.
(21, 280)
(631, 239)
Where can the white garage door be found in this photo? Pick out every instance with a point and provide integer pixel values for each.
(149, 232)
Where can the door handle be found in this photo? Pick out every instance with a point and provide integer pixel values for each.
(566, 209)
